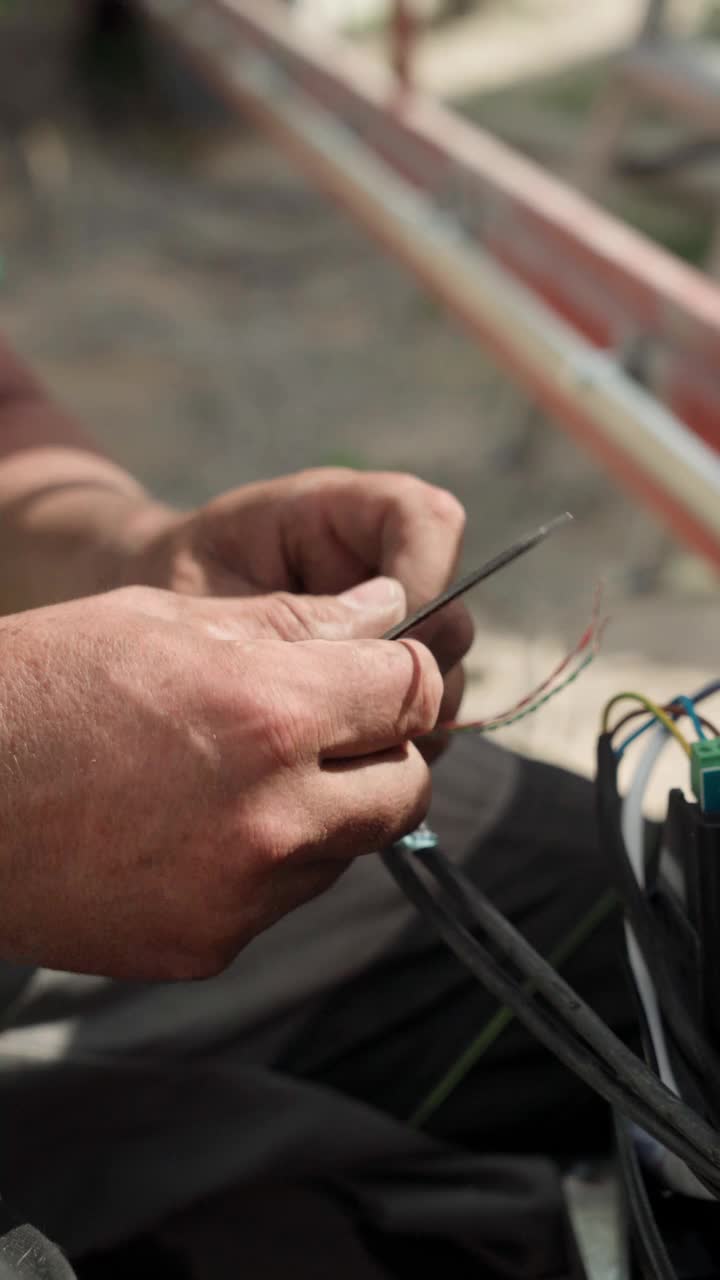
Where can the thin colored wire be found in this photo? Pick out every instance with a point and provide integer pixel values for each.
(707, 691)
(503, 724)
(679, 707)
(650, 723)
(654, 710)
(504, 1015)
(689, 706)
(673, 709)
(590, 636)
(486, 726)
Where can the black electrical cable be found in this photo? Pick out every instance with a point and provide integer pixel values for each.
(647, 1238)
(701, 1055)
(626, 1083)
(550, 1009)
(513, 948)
(689, 1089)
(535, 969)
(561, 1039)
(698, 1053)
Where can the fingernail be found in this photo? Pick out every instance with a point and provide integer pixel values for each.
(375, 594)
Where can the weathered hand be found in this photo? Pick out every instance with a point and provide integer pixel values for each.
(319, 531)
(175, 775)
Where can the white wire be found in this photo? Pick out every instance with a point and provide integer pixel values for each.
(633, 830)
(674, 1170)
(633, 823)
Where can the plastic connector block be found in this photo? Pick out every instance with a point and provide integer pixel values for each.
(705, 774)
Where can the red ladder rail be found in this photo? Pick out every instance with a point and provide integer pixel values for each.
(566, 297)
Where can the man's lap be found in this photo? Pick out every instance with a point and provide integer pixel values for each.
(380, 1020)
(389, 1035)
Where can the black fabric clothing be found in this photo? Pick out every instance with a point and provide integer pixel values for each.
(389, 1035)
(305, 1160)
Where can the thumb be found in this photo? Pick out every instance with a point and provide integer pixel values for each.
(364, 612)
(377, 603)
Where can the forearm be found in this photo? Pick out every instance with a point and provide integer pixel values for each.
(66, 512)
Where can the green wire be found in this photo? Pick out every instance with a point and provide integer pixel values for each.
(500, 1020)
(491, 726)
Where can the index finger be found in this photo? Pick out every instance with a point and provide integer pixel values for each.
(386, 522)
(422, 537)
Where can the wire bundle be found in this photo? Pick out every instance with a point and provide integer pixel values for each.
(560, 678)
(659, 715)
(505, 963)
(518, 976)
(662, 1001)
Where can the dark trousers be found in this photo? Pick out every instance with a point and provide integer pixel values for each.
(391, 1034)
(387, 1036)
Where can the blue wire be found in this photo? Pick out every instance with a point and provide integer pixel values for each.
(707, 691)
(689, 706)
(689, 703)
(637, 733)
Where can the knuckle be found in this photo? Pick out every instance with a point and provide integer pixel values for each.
(284, 732)
(149, 602)
(438, 504)
(276, 834)
(446, 508)
(407, 488)
(426, 692)
(277, 704)
(136, 596)
(287, 617)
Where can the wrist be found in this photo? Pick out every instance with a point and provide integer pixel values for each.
(116, 531)
(76, 533)
(134, 546)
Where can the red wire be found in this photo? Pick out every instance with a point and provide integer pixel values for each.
(587, 637)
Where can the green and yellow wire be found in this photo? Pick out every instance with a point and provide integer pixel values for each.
(652, 707)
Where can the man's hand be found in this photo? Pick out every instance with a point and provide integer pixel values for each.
(319, 531)
(174, 777)
(73, 524)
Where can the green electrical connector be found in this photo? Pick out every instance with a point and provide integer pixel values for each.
(705, 774)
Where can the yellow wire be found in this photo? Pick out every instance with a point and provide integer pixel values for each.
(654, 710)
